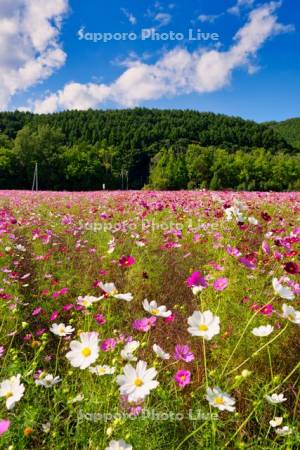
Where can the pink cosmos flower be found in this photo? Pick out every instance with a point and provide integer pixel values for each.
(277, 255)
(108, 345)
(126, 261)
(41, 331)
(220, 284)
(68, 307)
(2, 351)
(183, 353)
(232, 251)
(37, 311)
(67, 220)
(246, 262)
(182, 377)
(27, 337)
(4, 426)
(54, 315)
(265, 247)
(144, 324)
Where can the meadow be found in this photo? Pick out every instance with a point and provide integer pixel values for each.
(149, 320)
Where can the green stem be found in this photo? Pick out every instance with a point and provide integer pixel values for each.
(241, 337)
(57, 356)
(259, 402)
(270, 361)
(206, 384)
(257, 351)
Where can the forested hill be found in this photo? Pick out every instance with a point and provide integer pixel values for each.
(141, 127)
(170, 149)
(289, 130)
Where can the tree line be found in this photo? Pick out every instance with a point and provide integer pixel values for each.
(161, 149)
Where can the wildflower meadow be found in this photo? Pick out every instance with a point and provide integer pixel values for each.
(149, 320)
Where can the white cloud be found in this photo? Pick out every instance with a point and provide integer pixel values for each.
(178, 71)
(29, 43)
(131, 18)
(163, 19)
(236, 9)
(210, 18)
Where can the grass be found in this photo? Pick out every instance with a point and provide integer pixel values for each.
(55, 241)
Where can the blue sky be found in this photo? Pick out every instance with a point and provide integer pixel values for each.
(247, 66)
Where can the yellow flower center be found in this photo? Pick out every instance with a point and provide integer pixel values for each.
(219, 401)
(61, 330)
(154, 312)
(8, 394)
(138, 382)
(203, 327)
(291, 317)
(101, 370)
(86, 351)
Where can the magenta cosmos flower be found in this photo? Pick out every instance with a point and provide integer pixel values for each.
(182, 377)
(126, 261)
(183, 353)
(196, 279)
(267, 310)
(99, 319)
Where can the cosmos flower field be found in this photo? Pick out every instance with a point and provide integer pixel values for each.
(149, 320)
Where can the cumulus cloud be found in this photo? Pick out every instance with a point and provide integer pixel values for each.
(178, 71)
(29, 43)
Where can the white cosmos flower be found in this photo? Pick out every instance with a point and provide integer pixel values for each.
(111, 246)
(12, 390)
(84, 352)
(274, 399)
(284, 431)
(283, 291)
(61, 329)
(204, 324)
(234, 212)
(47, 381)
(160, 352)
(252, 220)
(129, 348)
(291, 314)
(102, 370)
(111, 290)
(263, 330)
(154, 310)
(87, 300)
(137, 382)
(118, 445)
(197, 289)
(219, 399)
(46, 427)
(77, 398)
(276, 422)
